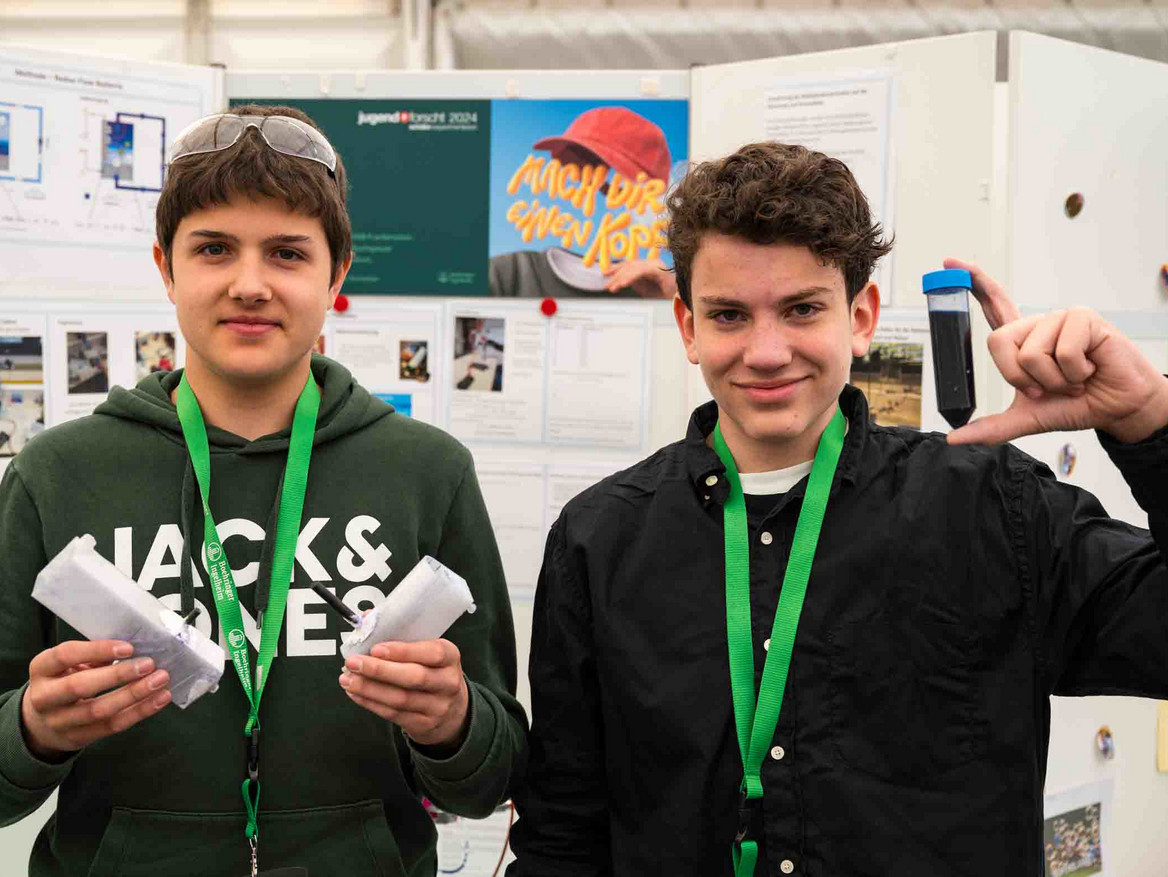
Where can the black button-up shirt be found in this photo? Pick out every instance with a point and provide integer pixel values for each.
(954, 590)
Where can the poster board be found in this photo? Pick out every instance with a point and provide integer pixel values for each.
(1087, 121)
(940, 139)
(82, 144)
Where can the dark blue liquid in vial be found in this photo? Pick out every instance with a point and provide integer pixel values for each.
(953, 365)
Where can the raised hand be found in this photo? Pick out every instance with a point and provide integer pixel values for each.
(649, 278)
(1071, 370)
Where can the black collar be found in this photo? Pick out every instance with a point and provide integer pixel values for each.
(706, 470)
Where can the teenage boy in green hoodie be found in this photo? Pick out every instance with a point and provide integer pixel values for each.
(253, 245)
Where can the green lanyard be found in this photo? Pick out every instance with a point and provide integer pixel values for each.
(756, 724)
(219, 571)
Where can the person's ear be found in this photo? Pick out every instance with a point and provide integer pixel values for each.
(339, 279)
(164, 269)
(684, 316)
(865, 315)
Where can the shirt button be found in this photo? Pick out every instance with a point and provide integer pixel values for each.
(711, 480)
(787, 867)
(766, 646)
(766, 538)
(777, 754)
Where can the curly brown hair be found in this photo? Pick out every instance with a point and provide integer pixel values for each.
(249, 168)
(769, 193)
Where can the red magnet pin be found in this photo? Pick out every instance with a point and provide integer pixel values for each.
(548, 307)
(341, 304)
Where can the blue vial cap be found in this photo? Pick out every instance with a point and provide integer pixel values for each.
(951, 278)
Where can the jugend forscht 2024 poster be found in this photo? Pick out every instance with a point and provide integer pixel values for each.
(525, 198)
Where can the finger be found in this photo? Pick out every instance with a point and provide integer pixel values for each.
(997, 306)
(58, 659)
(417, 677)
(386, 712)
(1074, 341)
(1036, 355)
(429, 653)
(127, 718)
(994, 429)
(1004, 345)
(102, 709)
(409, 700)
(51, 693)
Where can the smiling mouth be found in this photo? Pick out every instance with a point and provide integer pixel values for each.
(776, 385)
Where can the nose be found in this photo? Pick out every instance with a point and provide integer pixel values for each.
(767, 347)
(249, 284)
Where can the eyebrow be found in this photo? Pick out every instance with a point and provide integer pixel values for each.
(274, 239)
(795, 297)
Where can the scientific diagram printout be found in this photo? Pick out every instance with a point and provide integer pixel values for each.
(82, 161)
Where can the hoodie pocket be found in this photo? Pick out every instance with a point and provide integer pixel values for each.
(350, 839)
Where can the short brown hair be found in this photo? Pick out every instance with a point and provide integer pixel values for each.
(771, 193)
(249, 168)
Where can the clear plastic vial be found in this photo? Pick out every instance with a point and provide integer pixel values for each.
(948, 293)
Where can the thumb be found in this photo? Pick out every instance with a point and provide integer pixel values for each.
(995, 429)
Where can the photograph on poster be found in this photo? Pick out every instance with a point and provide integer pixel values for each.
(1073, 843)
(414, 363)
(117, 158)
(155, 353)
(403, 403)
(88, 362)
(21, 359)
(890, 377)
(478, 354)
(578, 187)
(22, 416)
(1077, 832)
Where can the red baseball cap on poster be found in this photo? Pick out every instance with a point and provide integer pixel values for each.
(622, 139)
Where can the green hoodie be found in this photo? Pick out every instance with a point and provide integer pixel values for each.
(341, 787)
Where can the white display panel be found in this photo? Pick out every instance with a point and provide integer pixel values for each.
(940, 143)
(1090, 122)
(82, 146)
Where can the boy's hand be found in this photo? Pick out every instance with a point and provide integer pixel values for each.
(649, 278)
(1071, 370)
(64, 707)
(418, 686)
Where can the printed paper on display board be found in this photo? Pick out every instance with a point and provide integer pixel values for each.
(523, 501)
(507, 198)
(578, 378)
(514, 494)
(848, 116)
(91, 352)
(82, 154)
(497, 374)
(395, 355)
(22, 381)
(894, 373)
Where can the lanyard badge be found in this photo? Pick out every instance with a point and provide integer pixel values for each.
(223, 583)
(756, 722)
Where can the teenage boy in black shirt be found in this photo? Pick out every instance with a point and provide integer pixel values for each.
(956, 584)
